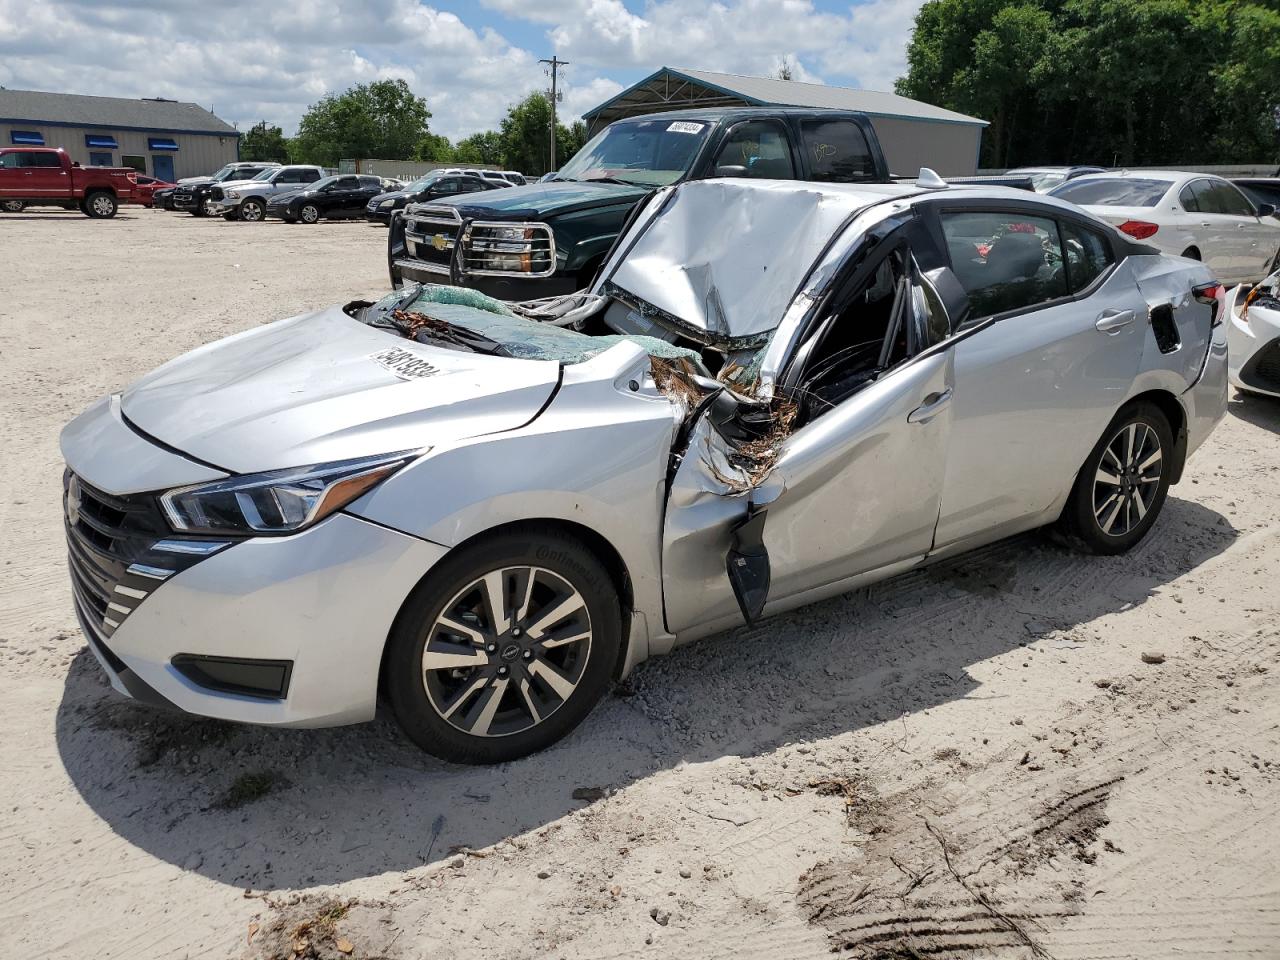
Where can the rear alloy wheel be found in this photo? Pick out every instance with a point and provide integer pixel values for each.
(12, 206)
(1122, 486)
(503, 649)
(310, 213)
(100, 205)
(252, 211)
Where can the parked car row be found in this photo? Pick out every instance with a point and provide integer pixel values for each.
(305, 193)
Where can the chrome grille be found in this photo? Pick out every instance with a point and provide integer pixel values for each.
(118, 551)
(430, 233)
(497, 249)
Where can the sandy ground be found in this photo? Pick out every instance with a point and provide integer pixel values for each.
(970, 760)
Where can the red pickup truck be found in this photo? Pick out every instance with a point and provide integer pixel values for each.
(44, 176)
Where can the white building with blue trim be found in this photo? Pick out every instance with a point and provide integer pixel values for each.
(167, 139)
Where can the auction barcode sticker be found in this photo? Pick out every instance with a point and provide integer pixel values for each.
(684, 126)
(404, 363)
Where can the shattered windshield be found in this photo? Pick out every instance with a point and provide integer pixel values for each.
(648, 152)
(463, 319)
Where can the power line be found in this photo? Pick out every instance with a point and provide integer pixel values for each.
(555, 65)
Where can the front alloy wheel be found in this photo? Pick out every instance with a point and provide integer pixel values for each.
(309, 213)
(504, 647)
(507, 652)
(251, 211)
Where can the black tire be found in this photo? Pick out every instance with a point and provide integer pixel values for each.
(1191, 253)
(252, 210)
(100, 205)
(231, 217)
(12, 206)
(511, 670)
(309, 213)
(1107, 518)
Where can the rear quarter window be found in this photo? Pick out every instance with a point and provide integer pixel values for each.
(838, 151)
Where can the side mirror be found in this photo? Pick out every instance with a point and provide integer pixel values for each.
(731, 171)
(1266, 209)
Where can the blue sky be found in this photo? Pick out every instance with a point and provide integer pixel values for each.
(250, 60)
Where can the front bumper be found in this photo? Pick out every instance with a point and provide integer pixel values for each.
(1253, 356)
(322, 601)
(223, 206)
(407, 269)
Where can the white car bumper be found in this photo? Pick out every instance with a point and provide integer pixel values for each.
(321, 602)
(1254, 347)
(313, 609)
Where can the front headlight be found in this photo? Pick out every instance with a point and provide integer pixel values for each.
(232, 195)
(386, 204)
(278, 501)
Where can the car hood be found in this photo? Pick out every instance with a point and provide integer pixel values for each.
(393, 195)
(237, 184)
(324, 387)
(546, 199)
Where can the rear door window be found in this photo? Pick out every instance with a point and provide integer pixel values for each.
(1234, 203)
(837, 151)
(45, 160)
(756, 148)
(1005, 261)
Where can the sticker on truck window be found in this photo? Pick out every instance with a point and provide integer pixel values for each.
(404, 364)
(683, 126)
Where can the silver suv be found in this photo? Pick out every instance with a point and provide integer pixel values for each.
(247, 199)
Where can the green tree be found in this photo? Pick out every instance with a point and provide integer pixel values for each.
(485, 148)
(383, 120)
(526, 136)
(264, 142)
(1104, 81)
(434, 147)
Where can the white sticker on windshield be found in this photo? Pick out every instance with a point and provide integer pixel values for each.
(404, 364)
(684, 126)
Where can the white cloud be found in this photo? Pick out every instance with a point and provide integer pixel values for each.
(250, 60)
(865, 46)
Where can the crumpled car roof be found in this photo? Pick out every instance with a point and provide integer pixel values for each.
(727, 255)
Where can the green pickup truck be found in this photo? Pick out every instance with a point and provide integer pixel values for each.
(549, 238)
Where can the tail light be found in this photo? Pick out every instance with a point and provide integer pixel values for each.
(1139, 229)
(1211, 294)
(1208, 292)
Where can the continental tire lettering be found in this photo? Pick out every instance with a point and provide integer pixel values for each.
(404, 363)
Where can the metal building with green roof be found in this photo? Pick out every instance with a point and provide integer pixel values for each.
(912, 134)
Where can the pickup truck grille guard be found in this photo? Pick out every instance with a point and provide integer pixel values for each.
(438, 230)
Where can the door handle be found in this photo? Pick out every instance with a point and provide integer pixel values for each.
(1110, 321)
(932, 406)
(1206, 223)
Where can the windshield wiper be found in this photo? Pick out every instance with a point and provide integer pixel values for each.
(423, 329)
(625, 183)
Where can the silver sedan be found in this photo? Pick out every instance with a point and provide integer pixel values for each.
(774, 392)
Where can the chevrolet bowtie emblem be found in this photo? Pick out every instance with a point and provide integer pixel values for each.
(439, 241)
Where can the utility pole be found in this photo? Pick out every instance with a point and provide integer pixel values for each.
(555, 65)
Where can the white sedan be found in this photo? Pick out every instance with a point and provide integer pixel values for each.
(1194, 215)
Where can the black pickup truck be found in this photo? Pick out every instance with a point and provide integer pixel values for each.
(549, 238)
